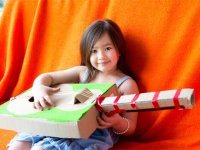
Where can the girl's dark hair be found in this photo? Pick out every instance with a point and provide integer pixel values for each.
(90, 36)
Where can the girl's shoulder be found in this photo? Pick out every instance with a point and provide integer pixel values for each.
(128, 86)
(122, 79)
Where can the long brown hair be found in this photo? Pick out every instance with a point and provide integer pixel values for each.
(90, 36)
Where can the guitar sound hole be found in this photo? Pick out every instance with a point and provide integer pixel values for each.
(31, 99)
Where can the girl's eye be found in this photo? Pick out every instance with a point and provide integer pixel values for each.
(108, 48)
(93, 51)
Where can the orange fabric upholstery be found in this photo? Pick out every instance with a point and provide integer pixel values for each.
(163, 40)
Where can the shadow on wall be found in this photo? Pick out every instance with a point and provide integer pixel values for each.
(137, 58)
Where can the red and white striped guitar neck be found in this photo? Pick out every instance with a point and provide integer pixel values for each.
(169, 99)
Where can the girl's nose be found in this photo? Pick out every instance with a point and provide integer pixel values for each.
(101, 54)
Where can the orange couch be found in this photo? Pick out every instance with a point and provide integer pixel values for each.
(163, 40)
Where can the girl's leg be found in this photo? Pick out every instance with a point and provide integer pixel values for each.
(20, 145)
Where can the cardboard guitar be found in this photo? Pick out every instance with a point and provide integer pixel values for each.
(168, 99)
(77, 106)
(74, 115)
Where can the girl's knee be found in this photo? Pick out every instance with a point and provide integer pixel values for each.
(19, 145)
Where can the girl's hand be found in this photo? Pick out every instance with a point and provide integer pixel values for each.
(42, 98)
(105, 121)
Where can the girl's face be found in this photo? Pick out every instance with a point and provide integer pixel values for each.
(104, 56)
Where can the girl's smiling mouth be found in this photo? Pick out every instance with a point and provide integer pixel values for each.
(103, 62)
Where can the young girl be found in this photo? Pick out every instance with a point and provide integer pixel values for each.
(102, 53)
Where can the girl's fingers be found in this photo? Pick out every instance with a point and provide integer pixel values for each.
(102, 123)
(55, 89)
(104, 117)
(37, 105)
(48, 101)
(111, 120)
(45, 101)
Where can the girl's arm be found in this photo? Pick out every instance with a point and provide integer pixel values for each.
(41, 86)
(71, 75)
(124, 124)
(130, 118)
